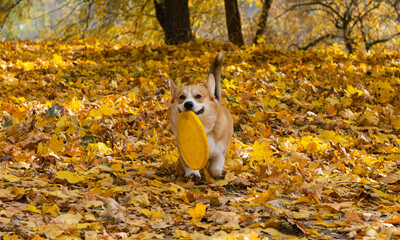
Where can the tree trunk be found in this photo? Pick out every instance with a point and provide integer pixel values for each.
(233, 22)
(262, 21)
(173, 16)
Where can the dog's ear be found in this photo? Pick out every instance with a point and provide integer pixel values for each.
(172, 86)
(210, 84)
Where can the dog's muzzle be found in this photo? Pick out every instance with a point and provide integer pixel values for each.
(201, 111)
(189, 107)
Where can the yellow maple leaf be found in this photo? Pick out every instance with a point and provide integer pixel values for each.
(62, 122)
(95, 113)
(119, 170)
(181, 234)
(69, 176)
(58, 60)
(106, 110)
(396, 122)
(41, 149)
(90, 217)
(265, 196)
(317, 103)
(320, 222)
(156, 183)
(229, 84)
(352, 90)
(9, 178)
(71, 219)
(27, 66)
(153, 214)
(273, 102)
(52, 209)
(176, 188)
(103, 110)
(198, 212)
(56, 144)
(18, 191)
(33, 209)
(260, 151)
(383, 91)
(52, 230)
(272, 68)
(264, 100)
(328, 135)
(359, 170)
(100, 148)
(72, 129)
(370, 118)
(75, 105)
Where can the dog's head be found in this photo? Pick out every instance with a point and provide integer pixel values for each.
(196, 98)
(202, 99)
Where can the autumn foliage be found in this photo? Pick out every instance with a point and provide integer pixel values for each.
(86, 152)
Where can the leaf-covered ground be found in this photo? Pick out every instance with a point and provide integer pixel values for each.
(86, 151)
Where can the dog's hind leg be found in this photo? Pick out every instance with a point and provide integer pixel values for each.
(217, 165)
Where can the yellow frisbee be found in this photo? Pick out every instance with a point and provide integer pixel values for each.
(192, 140)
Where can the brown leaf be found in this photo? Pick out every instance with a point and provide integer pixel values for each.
(6, 157)
(391, 178)
(339, 206)
(221, 217)
(353, 216)
(113, 210)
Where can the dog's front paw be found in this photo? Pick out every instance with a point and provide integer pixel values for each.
(192, 174)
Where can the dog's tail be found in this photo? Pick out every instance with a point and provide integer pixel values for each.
(215, 70)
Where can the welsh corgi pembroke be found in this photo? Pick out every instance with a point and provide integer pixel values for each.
(205, 101)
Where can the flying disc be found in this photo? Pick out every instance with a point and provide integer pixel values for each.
(192, 140)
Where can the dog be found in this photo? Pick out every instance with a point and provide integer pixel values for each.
(205, 101)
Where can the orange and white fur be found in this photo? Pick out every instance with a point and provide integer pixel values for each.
(205, 100)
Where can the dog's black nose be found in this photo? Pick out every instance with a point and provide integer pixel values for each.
(188, 105)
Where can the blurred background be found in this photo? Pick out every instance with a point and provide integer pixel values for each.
(353, 25)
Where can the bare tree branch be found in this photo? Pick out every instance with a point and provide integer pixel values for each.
(316, 41)
(50, 12)
(349, 17)
(7, 11)
(366, 13)
(64, 19)
(369, 45)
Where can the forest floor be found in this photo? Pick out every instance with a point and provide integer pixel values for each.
(86, 150)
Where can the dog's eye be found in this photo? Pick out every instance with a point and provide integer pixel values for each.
(182, 97)
(198, 96)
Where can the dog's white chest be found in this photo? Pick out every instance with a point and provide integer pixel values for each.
(208, 122)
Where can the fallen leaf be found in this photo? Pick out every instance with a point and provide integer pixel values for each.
(198, 212)
(353, 216)
(113, 210)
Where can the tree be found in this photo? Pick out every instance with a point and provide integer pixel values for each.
(353, 24)
(262, 21)
(233, 22)
(354, 21)
(173, 16)
(394, 8)
(120, 20)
